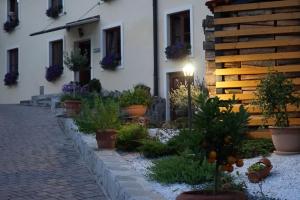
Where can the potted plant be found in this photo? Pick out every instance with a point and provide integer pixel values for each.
(110, 62)
(223, 131)
(11, 23)
(103, 119)
(11, 78)
(274, 94)
(259, 170)
(178, 50)
(54, 72)
(71, 100)
(54, 12)
(135, 102)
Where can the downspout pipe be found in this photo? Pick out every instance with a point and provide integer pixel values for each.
(155, 48)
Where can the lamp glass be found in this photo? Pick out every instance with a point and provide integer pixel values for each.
(188, 70)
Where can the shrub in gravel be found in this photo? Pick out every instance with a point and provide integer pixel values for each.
(153, 148)
(130, 137)
(258, 147)
(181, 169)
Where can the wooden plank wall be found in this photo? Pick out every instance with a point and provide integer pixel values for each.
(246, 41)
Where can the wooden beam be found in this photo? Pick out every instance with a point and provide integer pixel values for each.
(257, 57)
(258, 121)
(248, 83)
(257, 44)
(255, 109)
(237, 96)
(257, 6)
(257, 70)
(258, 31)
(257, 18)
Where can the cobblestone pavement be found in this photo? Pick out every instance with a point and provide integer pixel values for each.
(37, 161)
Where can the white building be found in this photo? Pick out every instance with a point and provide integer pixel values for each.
(123, 27)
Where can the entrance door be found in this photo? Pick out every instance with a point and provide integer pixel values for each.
(85, 75)
(175, 80)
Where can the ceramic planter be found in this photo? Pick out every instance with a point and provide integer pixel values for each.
(257, 176)
(136, 110)
(286, 140)
(72, 107)
(206, 195)
(106, 139)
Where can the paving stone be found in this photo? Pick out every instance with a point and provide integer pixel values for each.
(38, 161)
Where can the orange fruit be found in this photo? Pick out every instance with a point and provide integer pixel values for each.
(212, 155)
(229, 168)
(210, 160)
(231, 160)
(227, 140)
(239, 163)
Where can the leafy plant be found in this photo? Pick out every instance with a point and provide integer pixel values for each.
(256, 167)
(54, 72)
(223, 131)
(130, 137)
(137, 96)
(54, 11)
(70, 97)
(11, 24)
(11, 78)
(103, 115)
(76, 61)
(181, 169)
(253, 148)
(110, 62)
(274, 94)
(153, 148)
(178, 50)
(95, 86)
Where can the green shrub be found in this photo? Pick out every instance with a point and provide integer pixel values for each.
(181, 169)
(130, 137)
(95, 86)
(152, 148)
(137, 96)
(70, 97)
(186, 141)
(253, 148)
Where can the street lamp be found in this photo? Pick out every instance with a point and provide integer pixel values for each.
(188, 71)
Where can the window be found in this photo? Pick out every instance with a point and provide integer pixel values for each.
(13, 61)
(113, 42)
(55, 8)
(12, 8)
(56, 4)
(56, 53)
(180, 30)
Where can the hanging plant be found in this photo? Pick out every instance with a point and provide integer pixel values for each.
(178, 50)
(10, 25)
(54, 72)
(54, 12)
(11, 78)
(110, 62)
(76, 61)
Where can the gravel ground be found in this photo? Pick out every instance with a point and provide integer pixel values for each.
(282, 184)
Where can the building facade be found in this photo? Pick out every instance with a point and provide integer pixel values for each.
(123, 28)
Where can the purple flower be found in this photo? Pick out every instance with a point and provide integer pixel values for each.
(11, 78)
(71, 87)
(54, 72)
(110, 62)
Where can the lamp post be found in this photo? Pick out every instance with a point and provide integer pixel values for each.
(188, 71)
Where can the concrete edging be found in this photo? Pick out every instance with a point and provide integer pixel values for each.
(112, 172)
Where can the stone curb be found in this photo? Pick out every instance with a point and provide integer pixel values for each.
(112, 172)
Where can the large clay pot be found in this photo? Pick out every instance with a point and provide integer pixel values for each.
(286, 140)
(206, 195)
(136, 110)
(106, 139)
(72, 107)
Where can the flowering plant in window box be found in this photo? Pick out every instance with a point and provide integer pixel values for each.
(10, 25)
(178, 50)
(54, 72)
(54, 11)
(11, 78)
(110, 62)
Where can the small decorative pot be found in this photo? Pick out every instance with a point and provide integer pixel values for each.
(106, 139)
(208, 195)
(257, 176)
(72, 107)
(136, 110)
(286, 140)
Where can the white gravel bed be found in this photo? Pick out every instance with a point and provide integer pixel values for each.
(283, 182)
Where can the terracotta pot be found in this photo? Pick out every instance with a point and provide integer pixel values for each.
(136, 110)
(286, 140)
(256, 177)
(106, 139)
(72, 107)
(206, 195)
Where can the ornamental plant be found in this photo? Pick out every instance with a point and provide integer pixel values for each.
(76, 61)
(11, 78)
(10, 25)
(110, 62)
(178, 50)
(223, 131)
(54, 72)
(54, 11)
(137, 96)
(274, 94)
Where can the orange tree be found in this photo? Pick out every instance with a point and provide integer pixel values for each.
(223, 131)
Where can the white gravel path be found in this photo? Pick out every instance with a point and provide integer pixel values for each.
(283, 183)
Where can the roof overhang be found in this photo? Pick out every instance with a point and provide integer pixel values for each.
(70, 25)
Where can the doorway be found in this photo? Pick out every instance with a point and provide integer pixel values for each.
(85, 75)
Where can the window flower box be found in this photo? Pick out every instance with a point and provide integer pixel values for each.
(10, 25)
(54, 12)
(110, 62)
(54, 72)
(178, 50)
(11, 78)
